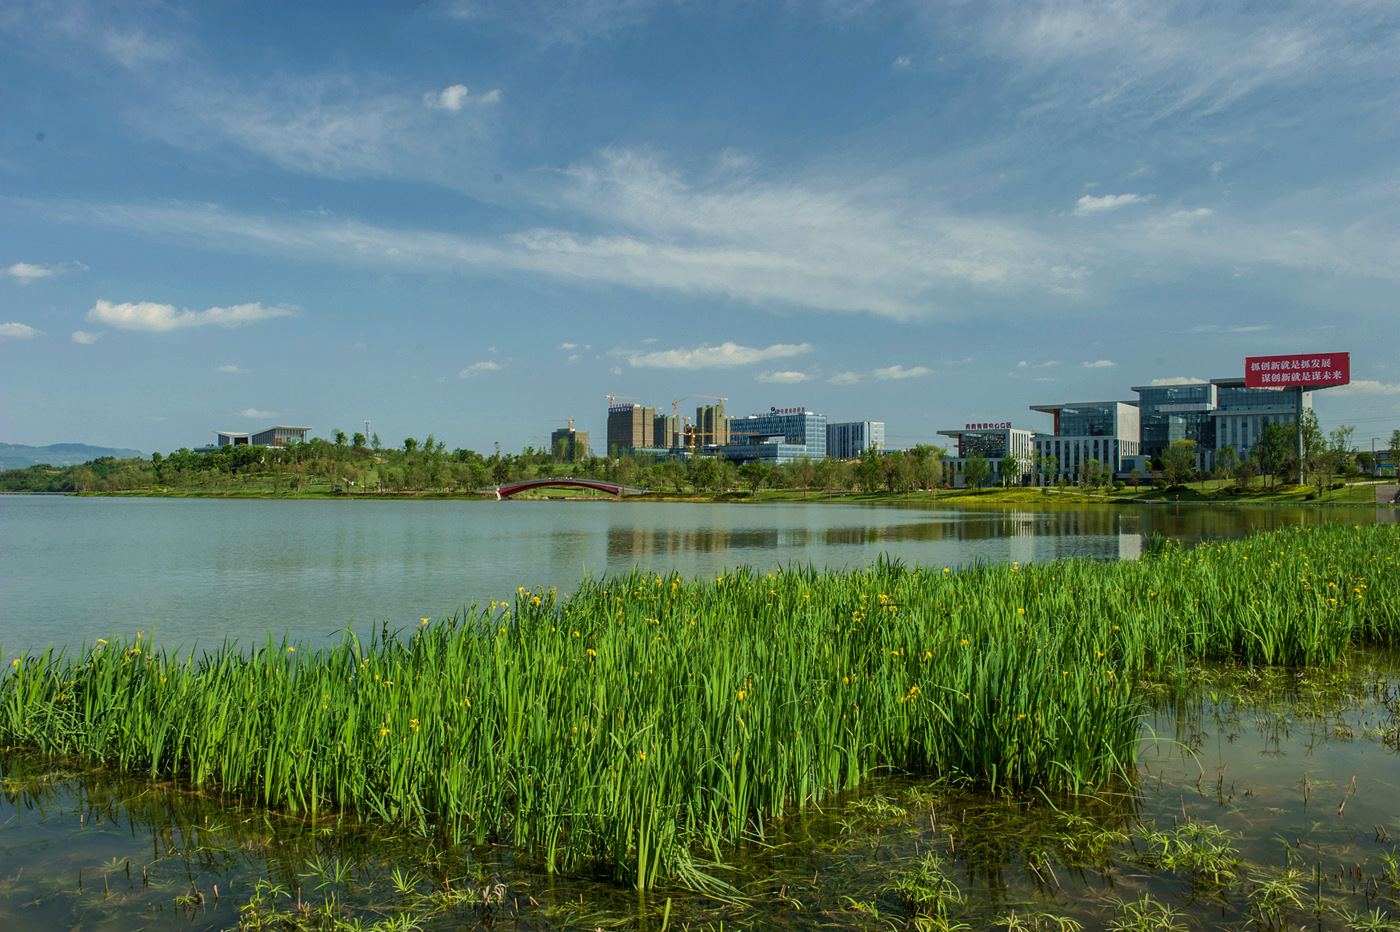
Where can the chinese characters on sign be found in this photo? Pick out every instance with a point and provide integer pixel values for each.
(1316, 370)
(787, 411)
(1003, 425)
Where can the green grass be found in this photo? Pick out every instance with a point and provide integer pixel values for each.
(648, 722)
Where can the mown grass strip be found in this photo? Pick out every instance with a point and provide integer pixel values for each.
(648, 718)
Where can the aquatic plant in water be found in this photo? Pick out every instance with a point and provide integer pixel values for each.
(648, 721)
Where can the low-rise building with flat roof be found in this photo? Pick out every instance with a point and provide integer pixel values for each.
(992, 441)
(272, 437)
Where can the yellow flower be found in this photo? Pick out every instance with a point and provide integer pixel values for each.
(642, 756)
(383, 732)
(1020, 611)
(426, 620)
(742, 694)
(592, 653)
(291, 650)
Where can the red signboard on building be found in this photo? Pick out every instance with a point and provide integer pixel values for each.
(1311, 370)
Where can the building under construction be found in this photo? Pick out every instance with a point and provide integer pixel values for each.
(569, 445)
(711, 426)
(630, 427)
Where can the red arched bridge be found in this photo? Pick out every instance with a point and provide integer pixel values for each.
(612, 488)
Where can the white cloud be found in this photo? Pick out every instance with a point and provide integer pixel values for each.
(845, 378)
(1255, 328)
(85, 337)
(1216, 168)
(902, 62)
(1088, 204)
(1365, 387)
(161, 318)
(784, 377)
(254, 412)
(1100, 364)
(476, 368)
(14, 331)
(230, 369)
(725, 356)
(568, 346)
(899, 372)
(26, 272)
(454, 98)
(450, 98)
(1178, 380)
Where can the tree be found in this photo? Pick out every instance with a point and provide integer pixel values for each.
(339, 437)
(868, 472)
(803, 473)
(1135, 476)
(1395, 451)
(1342, 450)
(1275, 451)
(410, 446)
(1049, 468)
(1226, 459)
(1179, 462)
(358, 440)
(1317, 457)
(755, 475)
(1010, 469)
(1366, 462)
(1245, 471)
(975, 471)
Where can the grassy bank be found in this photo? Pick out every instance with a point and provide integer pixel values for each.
(647, 722)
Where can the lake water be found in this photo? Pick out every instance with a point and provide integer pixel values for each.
(197, 571)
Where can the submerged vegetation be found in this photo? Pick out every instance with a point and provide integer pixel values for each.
(647, 723)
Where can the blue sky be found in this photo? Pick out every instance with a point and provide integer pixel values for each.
(471, 218)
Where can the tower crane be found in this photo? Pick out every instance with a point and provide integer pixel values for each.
(561, 420)
(611, 397)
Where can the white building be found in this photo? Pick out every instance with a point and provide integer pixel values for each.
(1105, 431)
(849, 440)
(992, 441)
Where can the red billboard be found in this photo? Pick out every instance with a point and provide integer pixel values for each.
(1310, 370)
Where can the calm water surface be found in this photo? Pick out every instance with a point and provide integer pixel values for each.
(196, 571)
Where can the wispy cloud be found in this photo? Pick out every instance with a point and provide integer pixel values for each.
(86, 337)
(725, 356)
(16, 331)
(1100, 364)
(899, 372)
(845, 378)
(255, 413)
(574, 23)
(1178, 380)
(784, 377)
(162, 318)
(1365, 387)
(1089, 204)
(233, 370)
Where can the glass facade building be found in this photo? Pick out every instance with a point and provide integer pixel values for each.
(776, 437)
(849, 440)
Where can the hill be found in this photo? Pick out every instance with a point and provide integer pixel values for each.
(19, 456)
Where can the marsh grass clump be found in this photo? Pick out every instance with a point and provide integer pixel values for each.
(927, 892)
(1202, 850)
(647, 722)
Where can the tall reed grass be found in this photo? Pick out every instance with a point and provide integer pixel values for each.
(646, 722)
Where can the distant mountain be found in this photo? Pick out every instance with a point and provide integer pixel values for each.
(18, 456)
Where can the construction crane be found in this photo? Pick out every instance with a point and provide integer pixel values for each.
(562, 420)
(611, 397)
(675, 407)
(720, 398)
